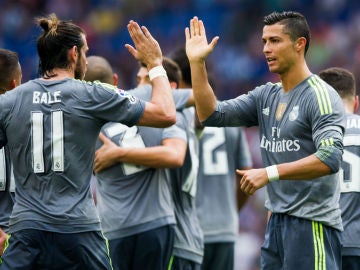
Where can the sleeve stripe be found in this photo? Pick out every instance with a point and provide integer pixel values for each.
(322, 95)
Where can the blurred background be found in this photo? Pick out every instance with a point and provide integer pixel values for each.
(237, 65)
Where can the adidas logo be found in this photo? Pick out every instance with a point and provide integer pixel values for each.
(266, 111)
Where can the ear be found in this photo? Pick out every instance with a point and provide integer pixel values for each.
(356, 103)
(300, 43)
(73, 52)
(13, 84)
(173, 85)
(115, 79)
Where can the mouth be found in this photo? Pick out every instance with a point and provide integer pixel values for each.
(270, 60)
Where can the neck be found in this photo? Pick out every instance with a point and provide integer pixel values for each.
(294, 76)
(60, 74)
(349, 107)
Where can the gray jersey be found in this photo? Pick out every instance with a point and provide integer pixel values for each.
(51, 129)
(222, 151)
(132, 199)
(188, 243)
(350, 187)
(145, 92)
(307, 120)
(7, 188)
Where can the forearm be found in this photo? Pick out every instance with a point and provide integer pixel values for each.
(160, 111)
(303, 169)
(162, 96)
(205, 99)
(154, 157)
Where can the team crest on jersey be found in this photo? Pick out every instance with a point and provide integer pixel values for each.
(294, 113)
(280, 111)
(123, 93)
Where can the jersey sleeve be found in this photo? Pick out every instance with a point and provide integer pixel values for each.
(178, 130)
(327, 115)
(240, 111)
(144, 92)
(116, 106)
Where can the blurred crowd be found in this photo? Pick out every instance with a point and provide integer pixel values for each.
(237, 61)
(237, 64)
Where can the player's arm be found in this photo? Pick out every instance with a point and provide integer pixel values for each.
(197, 50)
(170, 154)
(306, 168)
(160, 111)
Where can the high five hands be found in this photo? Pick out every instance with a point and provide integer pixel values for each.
(197, 47)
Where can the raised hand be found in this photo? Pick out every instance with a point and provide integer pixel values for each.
(197, 47)
(147, 49)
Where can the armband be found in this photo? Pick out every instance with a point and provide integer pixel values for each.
(157, 72)
(272, 173)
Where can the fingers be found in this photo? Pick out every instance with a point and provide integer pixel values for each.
(148, 34)
(102, 137)
(195, 26)
(247, 187)
(245, 184)
(214, 42)
(131, 50)
(97, 164)
(240, 172)
(187, 33)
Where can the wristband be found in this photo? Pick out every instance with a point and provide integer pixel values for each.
(157, 72)
(272, 173)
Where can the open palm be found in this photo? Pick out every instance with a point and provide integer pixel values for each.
(197, 47)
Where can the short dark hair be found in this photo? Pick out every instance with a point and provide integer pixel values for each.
(172, 70)
(341, 79)
(54, 42)
(180, 57)
(9, 68)
(98, 69)
(295, 25)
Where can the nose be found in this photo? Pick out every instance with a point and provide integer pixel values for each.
(266, 47)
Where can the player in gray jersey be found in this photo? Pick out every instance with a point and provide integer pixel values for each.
(146, 212)
(10, 77)
(54, 219)
(301, 125)
(188, 244)
(344, 83)
(222, 150)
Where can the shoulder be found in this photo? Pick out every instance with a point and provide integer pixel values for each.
(324, 96)
(320, 88)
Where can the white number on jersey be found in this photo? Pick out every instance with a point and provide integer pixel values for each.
(2, 170)
(352, 181)
(131, 138)
(191, 181)
(3, 173)
(215, 161)
(57, 141)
